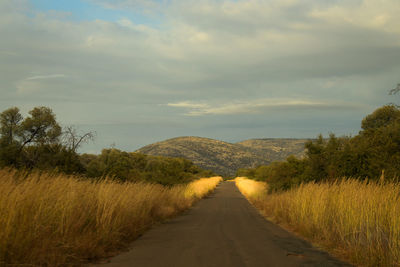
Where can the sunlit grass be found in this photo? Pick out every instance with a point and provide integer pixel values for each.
(201, 187)
(357, 220)
(53, 220)
(251, 188)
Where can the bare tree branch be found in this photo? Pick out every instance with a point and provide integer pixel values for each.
(73, 140)
(395, 90)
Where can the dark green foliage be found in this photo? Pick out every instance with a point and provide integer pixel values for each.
(376, 149)
(10, 125)
(246, 173)
(9, 153)
(384, 116)
(279, 175)
(40, 128)
(37, 142)
(50, 157)
(34, 142)
(138, 167)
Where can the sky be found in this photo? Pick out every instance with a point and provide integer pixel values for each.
(136, 72)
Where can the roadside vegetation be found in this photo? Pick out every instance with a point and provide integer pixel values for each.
(356, 220)
(134, 167)
(61, 208)
(38, 142)
(57, 220)
(370, 154)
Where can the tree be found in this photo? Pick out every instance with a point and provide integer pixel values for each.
(73, 140)
(10, 120)
(395, 90)
(41, 128)
(9, 124)
(381, 117)
(317, 159)
(35, 141)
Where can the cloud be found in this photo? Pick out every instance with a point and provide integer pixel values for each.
(248, 58)
(187, 105)
(27, 87)
(129, 4)
(50, 76)
(36, 84)
(260, 106)
(379, 15)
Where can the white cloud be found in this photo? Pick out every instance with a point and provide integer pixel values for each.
(380, 15)
(27, 87)
(50, 76)
(258, 106)
(187, 105)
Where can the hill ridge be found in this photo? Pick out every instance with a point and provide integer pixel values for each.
(224, 157)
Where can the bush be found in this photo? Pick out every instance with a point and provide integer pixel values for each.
(375, 150)
(138, 167)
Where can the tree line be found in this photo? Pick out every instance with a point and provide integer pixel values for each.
(130, 166)
(373, 154)
(39, 142)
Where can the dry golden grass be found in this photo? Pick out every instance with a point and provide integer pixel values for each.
(201, 187)
(357, 220)
(251, 189)
(53, 220)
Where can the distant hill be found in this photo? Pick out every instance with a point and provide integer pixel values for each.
(225, 158)
(276, 149)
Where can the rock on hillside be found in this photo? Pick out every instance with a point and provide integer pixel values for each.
(276, 149)
(225, 158)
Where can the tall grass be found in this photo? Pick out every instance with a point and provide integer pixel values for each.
(359, 221)
(53, 220)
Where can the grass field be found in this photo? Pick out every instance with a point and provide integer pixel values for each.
(53, 220)
(359, 221)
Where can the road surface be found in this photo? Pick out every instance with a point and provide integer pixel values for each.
(221, 230)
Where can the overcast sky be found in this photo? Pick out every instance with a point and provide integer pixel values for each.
(139, 71)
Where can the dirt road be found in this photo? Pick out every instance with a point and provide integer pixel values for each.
(221, 230)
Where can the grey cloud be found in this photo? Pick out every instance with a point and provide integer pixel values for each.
(221, 55)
